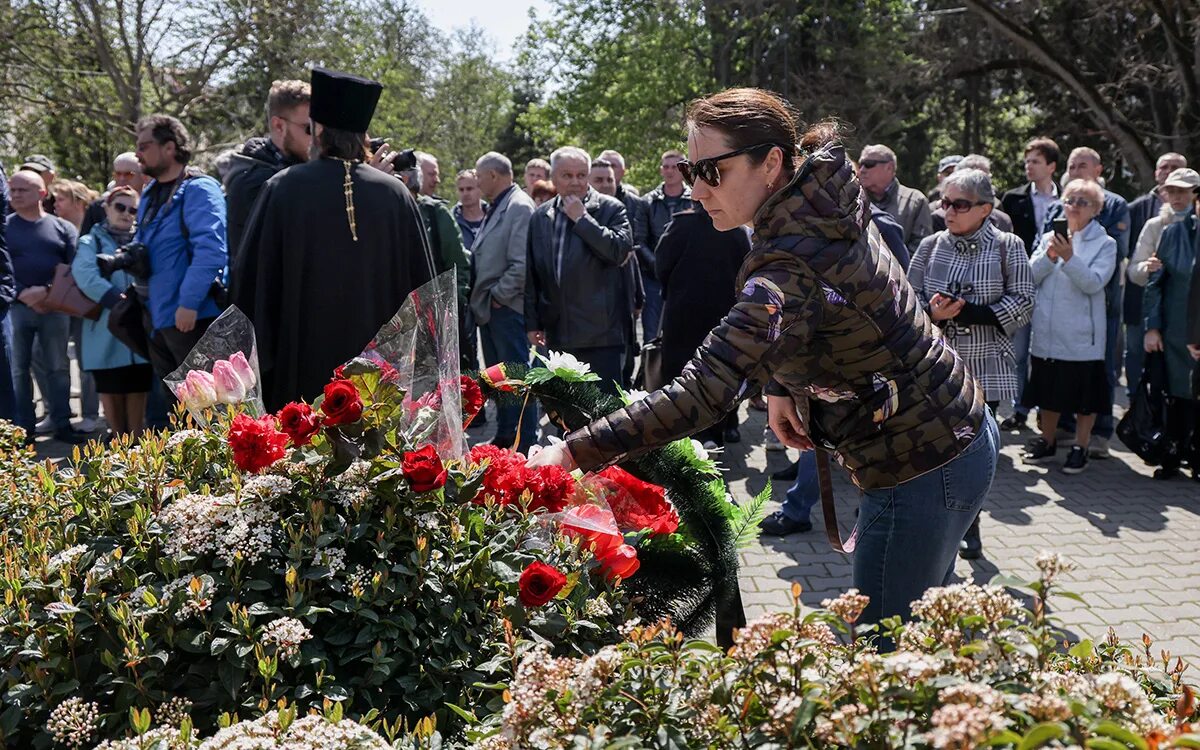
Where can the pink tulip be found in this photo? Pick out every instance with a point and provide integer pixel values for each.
(230, 389)
(243, 369)
(201, 388)
(183, 391)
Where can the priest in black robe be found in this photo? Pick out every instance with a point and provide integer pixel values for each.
(332, 249)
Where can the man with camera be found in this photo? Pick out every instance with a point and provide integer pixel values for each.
(181, 250)
(37, 243)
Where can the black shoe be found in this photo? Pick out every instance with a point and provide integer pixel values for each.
(733, 435)
(778, 524)
(1015, 422)
(1039, 451)
(504, 441)
(971, 547)
(1077, 460)
(788, 474)
(1166, 472)
(71, 436)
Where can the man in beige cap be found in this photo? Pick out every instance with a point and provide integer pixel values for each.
(908, 206)
(1178, 194)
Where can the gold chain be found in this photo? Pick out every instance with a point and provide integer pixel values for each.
(349, 190)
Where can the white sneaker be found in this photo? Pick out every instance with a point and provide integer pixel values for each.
(771, 440)
(45, 427)
(87, 424)
(1098, 448)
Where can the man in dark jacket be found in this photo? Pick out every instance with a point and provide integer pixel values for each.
(659, 205)
(286, 144)
(576, 294)
(1142, 210)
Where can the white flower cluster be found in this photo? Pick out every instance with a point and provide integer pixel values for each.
(596, 608)
(285, 634)
(1122, 694)
(197, 597)
(946, 605)
(759, 635)
(179, 438)
(73, 722)
(173, 712)
(159, 738)
(312, 732)
(849, 606)
(359, 581)
(333, 558)
(267, 486)
(1052, 564)
(67, 556)
(206, 524)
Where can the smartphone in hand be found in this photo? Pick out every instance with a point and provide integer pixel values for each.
(1060, 226)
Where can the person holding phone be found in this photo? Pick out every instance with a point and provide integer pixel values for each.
(975, 282)
(1071, 267)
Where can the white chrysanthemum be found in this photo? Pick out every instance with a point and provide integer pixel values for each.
(567, 361)
(286, 634)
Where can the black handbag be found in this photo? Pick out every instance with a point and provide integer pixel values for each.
(1143, 428)
(652, 365)
(127, 323)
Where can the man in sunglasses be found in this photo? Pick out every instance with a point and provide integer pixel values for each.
(877, 175)
(576, 288)
(126, 172)
(287, 143)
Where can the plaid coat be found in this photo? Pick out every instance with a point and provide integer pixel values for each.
(827, 315)
(990, 268)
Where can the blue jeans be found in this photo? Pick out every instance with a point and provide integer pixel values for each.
(50, 331)
(804, 493)
(1105, 424)
(89, 399)
(8, 400)
(1135, 355)
(1020, 342)
(652, 311)
(608, 362)
(504, 340)
(909, 534)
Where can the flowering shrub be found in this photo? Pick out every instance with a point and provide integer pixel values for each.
(973, 669)
(327, 554)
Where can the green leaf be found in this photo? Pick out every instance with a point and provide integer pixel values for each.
(1186, 740)
(1106, 743)
(1117, 732)
(1083, 650)
(464, 714)
(746, 519)
(1043, 734)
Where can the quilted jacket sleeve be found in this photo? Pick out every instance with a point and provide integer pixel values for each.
(776, 313)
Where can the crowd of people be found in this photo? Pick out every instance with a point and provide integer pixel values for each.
(1048, 292)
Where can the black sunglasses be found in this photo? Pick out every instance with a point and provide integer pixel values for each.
(123, 208)
(706, 169)
(868, 163)
(961, 205)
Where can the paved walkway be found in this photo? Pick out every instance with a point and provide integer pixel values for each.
(1134, 540)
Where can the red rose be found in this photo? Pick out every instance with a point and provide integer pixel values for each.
(342, 404)
(423, 469)
(540, 583)
(472, 398)
(256, 443)
(300, 422)
(621, 562)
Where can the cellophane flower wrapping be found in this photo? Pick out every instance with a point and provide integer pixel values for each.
(418, 348)
(220, 374)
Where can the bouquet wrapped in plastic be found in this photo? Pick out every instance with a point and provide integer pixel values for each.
(220, 374)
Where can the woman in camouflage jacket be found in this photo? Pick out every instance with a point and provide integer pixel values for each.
(825, 321)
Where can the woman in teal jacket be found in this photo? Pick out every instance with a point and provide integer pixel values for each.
(1166, 311)
(122, 378)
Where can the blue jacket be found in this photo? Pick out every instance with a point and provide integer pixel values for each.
(183, 269)
(1069, 311)
(100, 349)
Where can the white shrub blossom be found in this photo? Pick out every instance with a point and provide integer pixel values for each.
(285, 634)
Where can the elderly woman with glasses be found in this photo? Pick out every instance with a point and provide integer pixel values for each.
(975, 282)
(825, 321)
(123, 379)
(1071, 266)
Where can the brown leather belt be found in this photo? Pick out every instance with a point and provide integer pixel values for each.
(825, 481)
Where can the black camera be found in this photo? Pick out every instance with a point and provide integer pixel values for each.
(404, 161)
(134, 258)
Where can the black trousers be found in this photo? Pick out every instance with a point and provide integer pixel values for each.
(1183, 431)
(169, 347)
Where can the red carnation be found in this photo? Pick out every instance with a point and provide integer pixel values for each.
(621, 562)
(256, 443)
(595, 525)
(640, 505)
(550, 485)
(342, 404)
(424, 469)
(299, 422)
(472, 398)
(540, 583)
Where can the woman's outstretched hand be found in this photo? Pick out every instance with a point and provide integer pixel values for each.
(555, 454)
(785, 422)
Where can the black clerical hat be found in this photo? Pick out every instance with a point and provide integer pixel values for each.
(342, 100)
